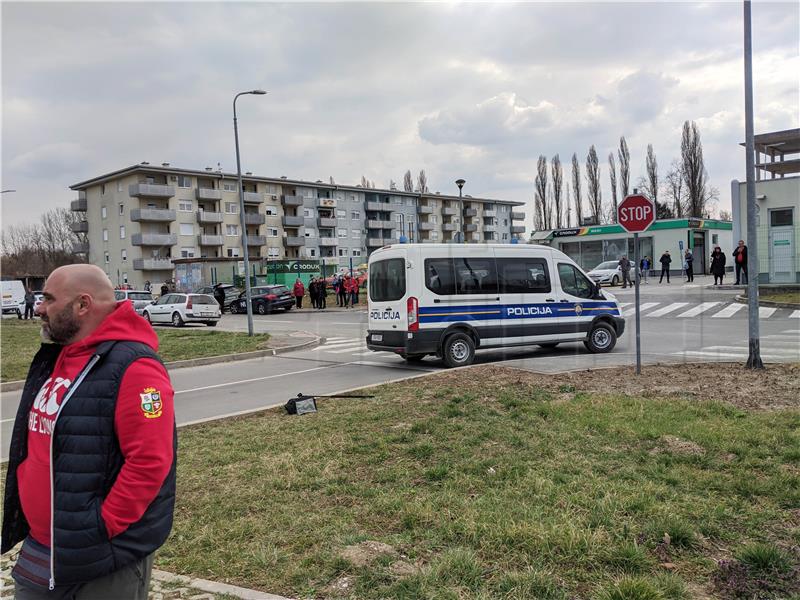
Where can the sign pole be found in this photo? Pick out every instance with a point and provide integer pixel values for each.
(636, 292)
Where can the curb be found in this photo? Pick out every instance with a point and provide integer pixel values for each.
(213, 587)
(741, 299)
(12, 386)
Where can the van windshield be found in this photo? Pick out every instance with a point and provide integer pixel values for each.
(140, 296)
(387, 280)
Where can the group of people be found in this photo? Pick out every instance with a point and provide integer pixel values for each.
(345, 289)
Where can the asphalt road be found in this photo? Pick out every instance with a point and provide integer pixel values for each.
(680, 323)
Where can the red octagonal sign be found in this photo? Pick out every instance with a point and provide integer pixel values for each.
(636, 213)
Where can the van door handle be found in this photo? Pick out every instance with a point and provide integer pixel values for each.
(562, 300)
(549, 299)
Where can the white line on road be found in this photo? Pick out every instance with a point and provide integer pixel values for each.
(742, 354)
(765, 312)
(372, 363)
(795, 315)
(240, 381)
(643, 307)
(728, 311)
(699, 309)
(342, 349)
(769, 350)
(667, 309)
(346, 342)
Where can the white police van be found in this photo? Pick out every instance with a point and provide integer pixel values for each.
(449, 300)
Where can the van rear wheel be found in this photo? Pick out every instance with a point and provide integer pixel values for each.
(602, 338)
(458, 350)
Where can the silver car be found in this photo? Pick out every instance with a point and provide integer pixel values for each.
(139, 298)
(606, 272)
(180, 308)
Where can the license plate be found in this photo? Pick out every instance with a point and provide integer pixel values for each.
(377, 338)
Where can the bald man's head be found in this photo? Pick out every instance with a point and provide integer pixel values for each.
(76, 299)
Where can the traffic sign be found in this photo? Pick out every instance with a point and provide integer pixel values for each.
(636, 213)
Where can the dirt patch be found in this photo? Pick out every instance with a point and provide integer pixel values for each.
(772, 388)
(402, 568)
(341, 586)
(364, 553)
(675, 445)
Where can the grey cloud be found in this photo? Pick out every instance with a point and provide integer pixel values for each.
(51, 160)
(643, 95)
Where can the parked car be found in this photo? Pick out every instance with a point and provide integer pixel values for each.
(606, 272)
(231, 293)
(139, 298)
(265, 299)
(179, 309)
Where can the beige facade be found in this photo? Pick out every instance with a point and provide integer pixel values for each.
(136, 220)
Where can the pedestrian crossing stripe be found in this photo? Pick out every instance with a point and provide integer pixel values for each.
(667, 309)
(729, 311)
(698, 310)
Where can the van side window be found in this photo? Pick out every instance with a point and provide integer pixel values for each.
(119, 295)
(475, 275)
(387, 280)
(523, 276)
(439, 277)
(573, 281)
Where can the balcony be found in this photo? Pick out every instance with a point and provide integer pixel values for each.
(379, 224)
(294, 241)
(80, 247)
(470, 212)
(253, 198)
(326, 202)
(448, 211)
(205, 216)
(378, 242)
(292, 221)
(326, 222)
(162, 215)
(254, 219)
(78, 205)
(517, 215)
(208, 194)
(292, 200)
(256, 240)
(490, 213)
(154, 239)
(327, 242)
(379, 206)
(329, 260)
(425, 210)
(470, 227)
(449, 227)
(80, 227)
(492, 228)
(517, 229)
(152, 264)
(150, 190)
(427, 226)
(209, 240)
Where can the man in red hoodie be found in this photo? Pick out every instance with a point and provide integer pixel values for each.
(91, 474)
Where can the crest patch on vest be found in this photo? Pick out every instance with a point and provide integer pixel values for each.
(151, 402)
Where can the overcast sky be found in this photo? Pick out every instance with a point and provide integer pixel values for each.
(473, 91)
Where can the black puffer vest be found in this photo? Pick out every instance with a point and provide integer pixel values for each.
(86, 462)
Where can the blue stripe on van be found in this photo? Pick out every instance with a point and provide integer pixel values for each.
(488, 312)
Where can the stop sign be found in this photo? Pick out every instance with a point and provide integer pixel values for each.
(636, 213)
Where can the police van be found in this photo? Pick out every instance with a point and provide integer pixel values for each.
(449, 300)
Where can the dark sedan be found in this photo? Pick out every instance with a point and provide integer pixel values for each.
(265, 299)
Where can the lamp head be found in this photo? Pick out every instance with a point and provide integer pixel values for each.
(460, 183)
(257, 92)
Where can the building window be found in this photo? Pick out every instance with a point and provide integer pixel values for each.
(341, 213)
(102, 188)
(355, 215)
(505, 222)
(715, 238)
(505, 236)
(272, 211)
(312, 252)
(231, 230)
(186, 229)
(433, 219)
(229, 187)
(434, 235)
(107, 257)
(232, 252)
(119, 186)
(356, 252)
(103, 212)
(273, 253)
(342, 251)
(308, 213)
(121, 209)
(184, 181)
(185, 205)
(342, 232)
(122, 232)
(105, 235)
(124, 255)
(351, 197)
(187, 252)
(272, 189)
(311, 232)
(231, 208)
(272, 232)
(124, 277)
(356, 233)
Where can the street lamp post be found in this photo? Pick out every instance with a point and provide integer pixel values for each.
(245, 247)
(460, 183)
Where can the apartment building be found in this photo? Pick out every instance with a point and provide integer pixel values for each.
(134, 221)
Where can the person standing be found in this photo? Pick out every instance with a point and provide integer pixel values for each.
(644, 268)
(30, 300)
(312, 291)
(298, 291)
(147, 286)
(718, 265)
(665, 261)
(740, 262)
(343, 290)
(164, 289)
(322, 294)
(219, 296)
(688, 265)
(90, 483)
(336, 290)
(625, 269)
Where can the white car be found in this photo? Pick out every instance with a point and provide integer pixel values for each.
(180, 308)
(606, 272)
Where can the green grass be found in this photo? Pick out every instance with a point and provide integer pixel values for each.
(19, 341)
(493, 490)
(790, 297)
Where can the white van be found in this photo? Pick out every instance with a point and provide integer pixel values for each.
(448, 300)
(13, 297)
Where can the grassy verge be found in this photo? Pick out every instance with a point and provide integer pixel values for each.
(493, 483)
(791, 297)
(19, 341)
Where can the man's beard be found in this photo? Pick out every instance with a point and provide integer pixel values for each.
(62, 327)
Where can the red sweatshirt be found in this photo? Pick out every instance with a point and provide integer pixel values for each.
(144, 428)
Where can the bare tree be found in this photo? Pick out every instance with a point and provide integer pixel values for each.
(40, 248)
(364, 182)
(675, 189)
(624, 167)
(540, 202)
(422, 182)
(568, 204)
(332, 181)
(663, 210)
(558, 182)
(612, 174)
(593, 184)
(725, 215)
(652, 173)
(576, 189)
(408, 182)
(695, 176)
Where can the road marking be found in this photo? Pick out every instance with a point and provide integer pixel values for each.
(643, 307)
(667, 309)
(728, 311)
(699, 309)
(342, 343)
(742, 354)
(399, 365)
(240, 381)
(624, 304)
(765, 312)
(795, 315)
(786, 351)
(342, 350)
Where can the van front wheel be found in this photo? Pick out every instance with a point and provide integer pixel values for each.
(602, 338)
(458, 350)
